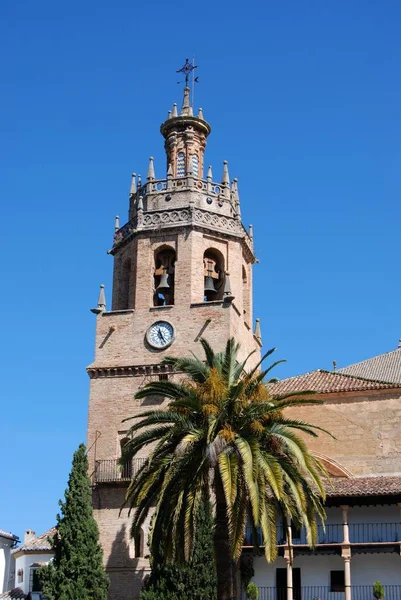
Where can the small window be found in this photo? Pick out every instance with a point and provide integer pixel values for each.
(139, 544)
(163, 377)
(195, 165)
(20, 575)
(337, 581)
(181, 164)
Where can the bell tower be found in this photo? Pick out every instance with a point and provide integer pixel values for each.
(182, 271)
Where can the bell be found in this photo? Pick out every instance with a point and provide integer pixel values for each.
(209, 286)
(163, 284)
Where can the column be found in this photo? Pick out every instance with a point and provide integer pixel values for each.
(347, 573)
(344, 510)
(346, 553)
(288, 556)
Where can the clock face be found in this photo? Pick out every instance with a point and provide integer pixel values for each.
(160, 335)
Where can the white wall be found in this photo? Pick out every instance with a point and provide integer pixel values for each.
(368, 568)
(6, 564)
(315, 569)
(24, 562)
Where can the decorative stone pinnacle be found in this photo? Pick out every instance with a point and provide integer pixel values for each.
(151, 169)
(140, 203)
(209, 173)
(101, 302)
(225, 180)
(139, 182)
(235, 197)
(227, 294)
(200, 114)
(175, 111)
(169, 114)
(170, 171)
(251, 231)
(132, 191)
(257, 332)
(117, 223)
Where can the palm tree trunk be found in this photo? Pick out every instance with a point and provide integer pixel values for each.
(224, 565)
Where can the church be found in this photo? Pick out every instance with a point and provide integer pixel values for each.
(182, 271)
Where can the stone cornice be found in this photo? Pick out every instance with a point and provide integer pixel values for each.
(96, 372)
(197, 218)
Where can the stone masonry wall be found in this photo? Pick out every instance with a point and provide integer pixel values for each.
(367, 428)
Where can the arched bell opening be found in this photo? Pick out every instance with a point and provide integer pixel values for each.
(164, 277)
(213, 272)
(124, 285)
(126, 468)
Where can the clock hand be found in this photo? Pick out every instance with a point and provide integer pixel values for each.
(161, 336)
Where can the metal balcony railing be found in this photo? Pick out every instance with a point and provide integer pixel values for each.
(365, 533)
(110, 470)
(318, 592)
(359, 533)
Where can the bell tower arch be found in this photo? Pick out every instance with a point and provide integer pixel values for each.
(182, 270)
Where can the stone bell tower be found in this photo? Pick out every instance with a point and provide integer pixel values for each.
(182, 271)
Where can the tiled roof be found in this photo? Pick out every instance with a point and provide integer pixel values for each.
(38, 543)
(363, 486)
(8, 535)
(385, 367)
(327, 382)
(12, 594)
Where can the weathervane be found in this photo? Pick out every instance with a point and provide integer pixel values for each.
(187, 69)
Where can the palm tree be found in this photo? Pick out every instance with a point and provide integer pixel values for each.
(225, 437)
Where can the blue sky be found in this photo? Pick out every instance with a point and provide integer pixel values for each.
(304, 101)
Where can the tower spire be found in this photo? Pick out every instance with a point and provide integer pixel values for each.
(186, 109)
(185, 133)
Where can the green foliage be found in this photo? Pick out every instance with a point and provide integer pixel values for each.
(246, 569)
(195, 580)
(378, 590)
(224, 435)
(77, 569)
(252, 591)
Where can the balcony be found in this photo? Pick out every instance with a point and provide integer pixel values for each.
(359, 533)
(358, 592)
(374, 533)
(110, 471)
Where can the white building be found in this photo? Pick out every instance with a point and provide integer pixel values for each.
(7, 542)
(30, 556)
(361, 541)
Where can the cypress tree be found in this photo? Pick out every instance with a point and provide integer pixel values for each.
(77, 569)
(195, 580)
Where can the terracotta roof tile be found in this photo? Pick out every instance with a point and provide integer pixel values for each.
(327, 382)
(363, 486)
(12, 594)
(386, 367)
(38, 543)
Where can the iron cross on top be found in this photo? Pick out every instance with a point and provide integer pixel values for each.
(187, 69)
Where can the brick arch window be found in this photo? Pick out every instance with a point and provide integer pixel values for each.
(195, 165)
(164, 276)
(181, 164)
(246, 295)
(213, 273)
(139, 544)
(125, 284)
(126, 468)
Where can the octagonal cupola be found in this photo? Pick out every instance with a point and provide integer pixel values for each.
(185, 136)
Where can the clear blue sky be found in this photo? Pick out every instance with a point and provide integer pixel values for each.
(304, 99)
